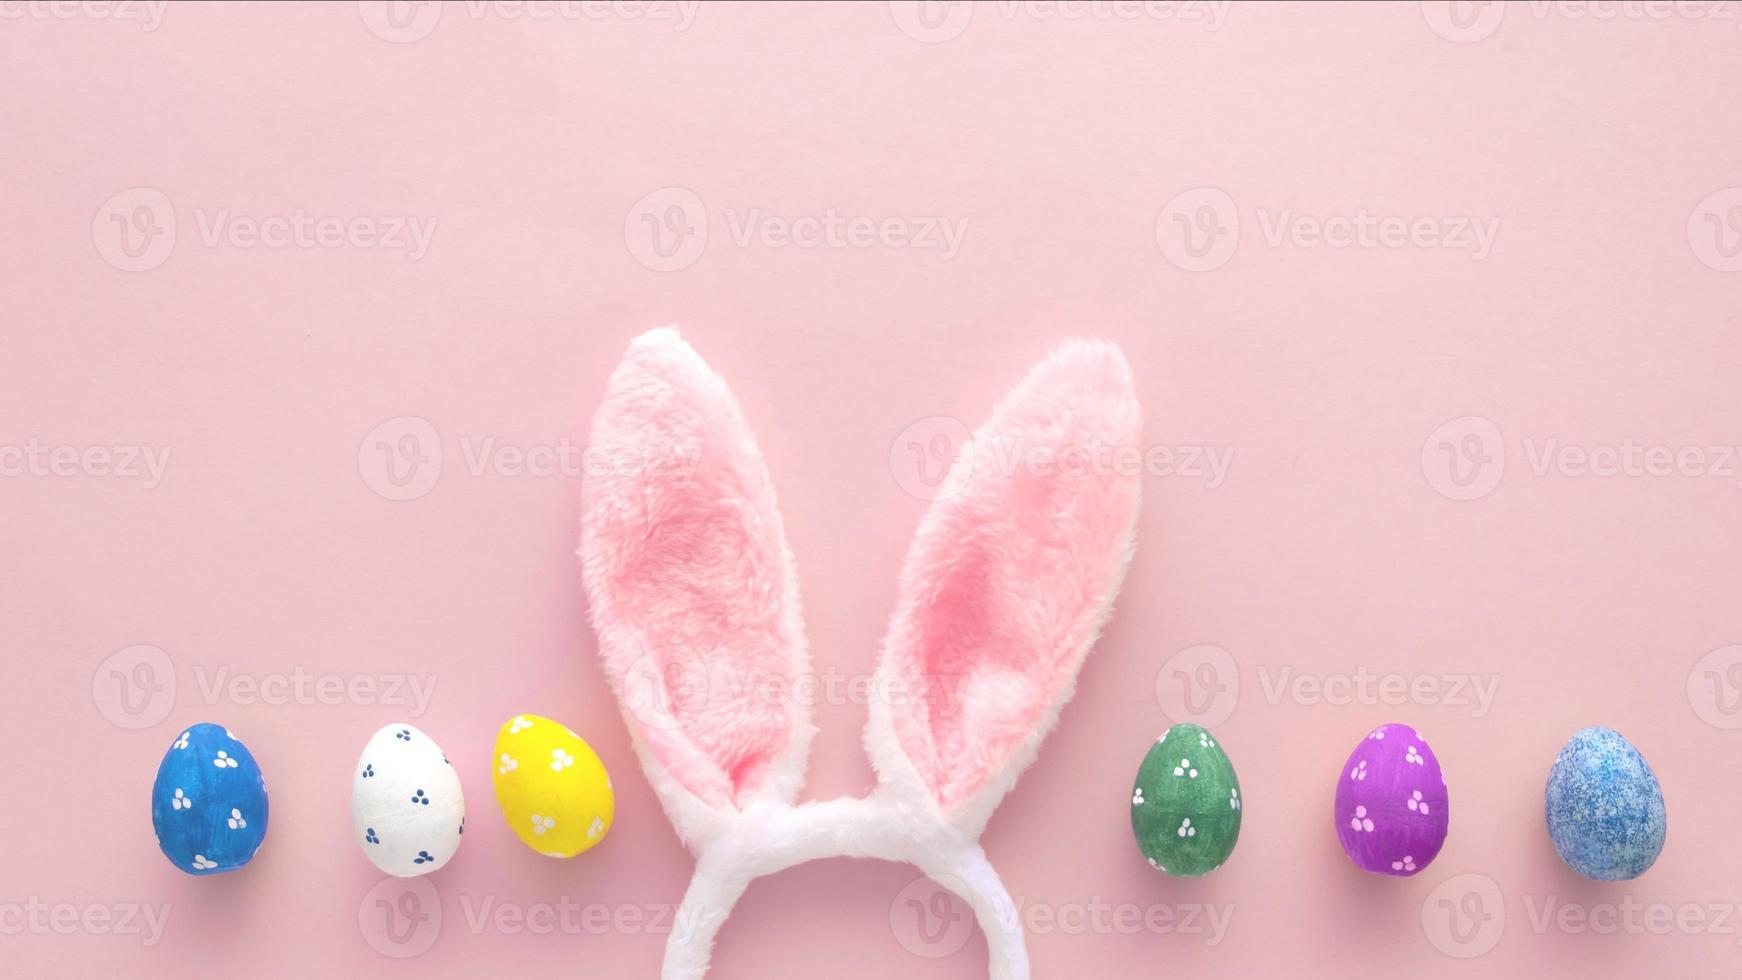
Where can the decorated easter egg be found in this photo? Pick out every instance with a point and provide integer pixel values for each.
(208, 804)
(1391, 811)
(406, 806)
(553, 790)
(1605, 807)
(1185, 808)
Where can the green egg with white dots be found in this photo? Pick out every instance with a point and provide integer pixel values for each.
(1186, 804)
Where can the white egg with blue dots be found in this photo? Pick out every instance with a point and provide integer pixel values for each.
(407, 810)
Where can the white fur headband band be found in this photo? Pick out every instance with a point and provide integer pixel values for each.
(695, 599)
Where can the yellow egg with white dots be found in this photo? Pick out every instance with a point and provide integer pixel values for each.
(553, 790)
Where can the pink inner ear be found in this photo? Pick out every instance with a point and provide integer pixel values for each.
(1013, 572)
(692, 587)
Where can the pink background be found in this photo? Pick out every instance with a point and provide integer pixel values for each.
(1606, 310)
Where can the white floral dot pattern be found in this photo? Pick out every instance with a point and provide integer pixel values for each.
(1361, 822)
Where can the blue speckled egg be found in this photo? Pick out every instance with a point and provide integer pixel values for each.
(208, 804)
(1605, 807)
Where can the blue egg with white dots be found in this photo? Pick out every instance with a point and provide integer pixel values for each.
(208, 805)
(1605, 807)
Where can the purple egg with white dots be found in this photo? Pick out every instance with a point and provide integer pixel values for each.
(1391, 811)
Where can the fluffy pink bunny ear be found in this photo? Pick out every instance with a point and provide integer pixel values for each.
(1006, 586)
(692, 587)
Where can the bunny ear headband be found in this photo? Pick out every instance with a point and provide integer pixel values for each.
(694, 596)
